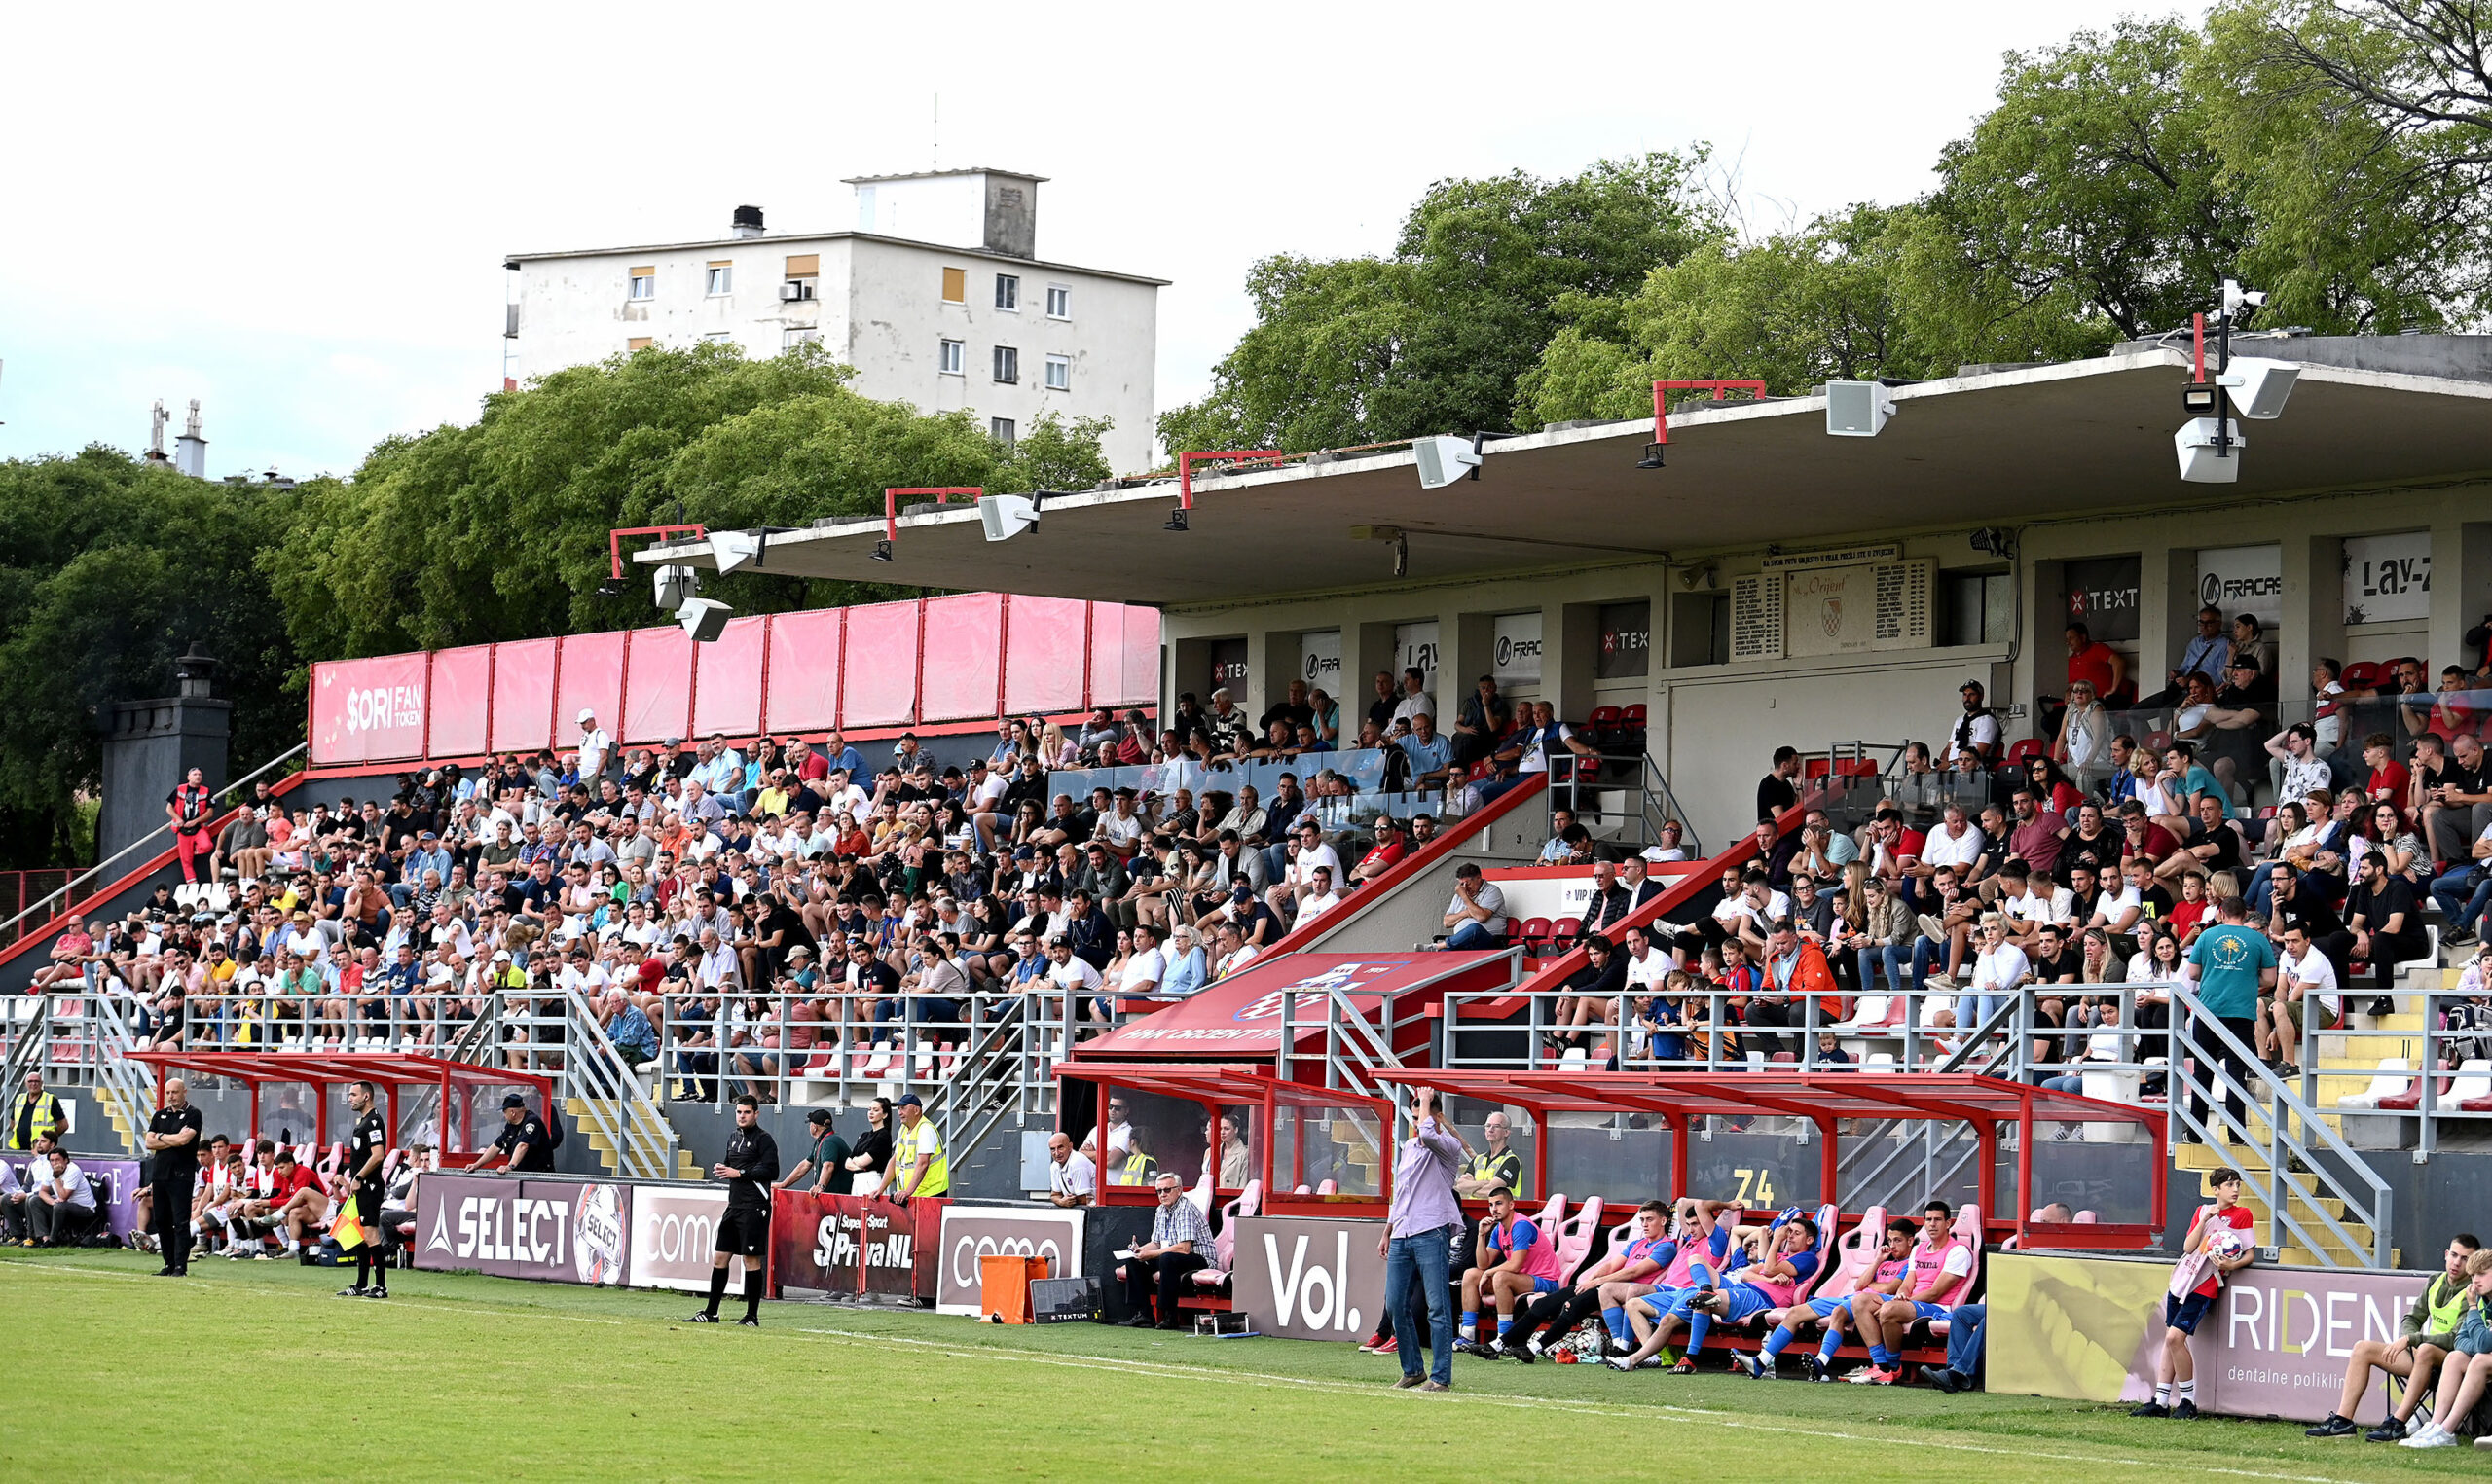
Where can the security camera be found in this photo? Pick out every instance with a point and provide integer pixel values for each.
(2237, 298)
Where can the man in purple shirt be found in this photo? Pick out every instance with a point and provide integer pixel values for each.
(1418, 1240)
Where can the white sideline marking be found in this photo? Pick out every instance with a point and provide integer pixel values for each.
(1174, 1370)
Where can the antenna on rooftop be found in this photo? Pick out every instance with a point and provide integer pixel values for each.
(939, 133)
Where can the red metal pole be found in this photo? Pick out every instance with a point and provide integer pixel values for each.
(1988, 1181)
(2197, 348)
(1678, 1155)
(1185, 468)
(1826, 1168)
(2024, 1162)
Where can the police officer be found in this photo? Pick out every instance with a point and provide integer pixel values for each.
(368, 1147)
(523, 1144)
(750, 1167)
(172, 1137)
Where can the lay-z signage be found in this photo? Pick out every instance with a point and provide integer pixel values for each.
(1309, 1280)
(2388, 579)
(1415, 644)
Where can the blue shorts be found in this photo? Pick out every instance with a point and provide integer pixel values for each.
(1544, 1285)
(1740, 1301)
(1827, 1308)
(1922, 1311)
(1657, 1302)
(2183, 1313)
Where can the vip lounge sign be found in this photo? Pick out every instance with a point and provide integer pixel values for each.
(845, 1244)
(973, 1232)
(562, 1231)
(1309, 1280)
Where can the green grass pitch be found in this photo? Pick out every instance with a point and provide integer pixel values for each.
(253, 1371)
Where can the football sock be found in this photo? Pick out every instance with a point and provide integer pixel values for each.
(1697, 1325)
(1885, 1357)
(2163, 1394)
(1616, 1320)
(753, 1292)
(2189, 1391)
(1505, 1322)
(1471, 1324)
(1832, 1343)
(1776, 1342)
(717, 1289)
(363, 1266)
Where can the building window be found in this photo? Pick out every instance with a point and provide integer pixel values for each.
(1059, 372)
(719, 335)
(1978, 608)
(644, 283)
(1007, 293)
(722, 278)
(1008, 363)
(1001, 430)
(637, 342)
(948, 359)
(792, 337)
(956, 285)
(1059, 301)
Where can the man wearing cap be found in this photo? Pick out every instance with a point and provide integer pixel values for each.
(750, 1165)
(523, 1144)
(1975, 732)
(918, 1167)
(597, 748)
(826, 1158)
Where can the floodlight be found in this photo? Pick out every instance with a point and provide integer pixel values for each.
(732, 548)
(2198, 399)
(2261, 384)
(2201, 461)
(882, 551)
(1859, 409)
(1005, 516)
(676, 587)
(1445, 460)
(703, 618)
(1177, 520)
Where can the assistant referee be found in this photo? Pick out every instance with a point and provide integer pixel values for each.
(750, 1168)
(368, 1147)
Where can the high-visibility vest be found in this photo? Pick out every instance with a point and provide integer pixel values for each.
(2444, 1305)
(1137, 1169)
(48, 1118)
(904, 1158)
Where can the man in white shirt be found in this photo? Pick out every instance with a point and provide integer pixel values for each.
(596, 746)
(1119, 1133)
(2302, 972)
(845, 794)
(1415, 699)
(1320, 897)
(719, 970)
(1999, 970)
(1144, 966)
(62, 1210)
(2031, 901)
(1120, 829)
(1072, 1179)
(1074, 978)
(1975, 730)
(1956, 842)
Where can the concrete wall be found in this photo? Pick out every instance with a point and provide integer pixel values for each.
(1712, 727)
(878, 306)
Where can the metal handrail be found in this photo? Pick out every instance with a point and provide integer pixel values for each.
(70, 887)
(644, 1139)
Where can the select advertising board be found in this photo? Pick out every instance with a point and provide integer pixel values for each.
(1309, 1279)
(2087, 1330)
(973, 1232)
(558, 1231)
(820, 1244)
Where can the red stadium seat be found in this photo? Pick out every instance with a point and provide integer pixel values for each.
(1533, 932)
(2157, 741)
(2024, 751)
(1567, 929)
(2362, 675)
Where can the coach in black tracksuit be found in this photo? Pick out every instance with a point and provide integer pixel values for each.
(172, 1142)
(750, 1167)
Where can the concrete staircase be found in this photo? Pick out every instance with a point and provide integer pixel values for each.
(576, 1109)
(2301, 1199)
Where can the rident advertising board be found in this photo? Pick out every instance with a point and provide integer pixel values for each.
(1309, 1280)
(973, 1232)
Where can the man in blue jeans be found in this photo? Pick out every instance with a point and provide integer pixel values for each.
(1417, 1240)
(2465, 892)
(1964, 1325)
(1476, 918)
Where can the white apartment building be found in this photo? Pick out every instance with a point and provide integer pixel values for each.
(937, 297)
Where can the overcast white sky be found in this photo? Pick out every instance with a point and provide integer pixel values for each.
(298, 214)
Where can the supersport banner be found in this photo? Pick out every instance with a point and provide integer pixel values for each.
(926, 662)
(821, 1245)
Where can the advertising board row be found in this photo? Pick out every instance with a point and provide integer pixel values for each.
(115, 1182)
(621, 1234)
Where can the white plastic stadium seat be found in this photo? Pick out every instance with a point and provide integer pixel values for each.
(2474, 1080)
(2392, 1078)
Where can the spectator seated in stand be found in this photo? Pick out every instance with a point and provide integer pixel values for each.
(1476, 918)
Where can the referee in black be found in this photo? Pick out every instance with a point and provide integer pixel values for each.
(172, 1139)
(750, 1168)
(366, 1148)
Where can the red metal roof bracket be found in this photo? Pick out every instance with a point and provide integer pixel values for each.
(943, 497)
(1185, 468)
(614, 539)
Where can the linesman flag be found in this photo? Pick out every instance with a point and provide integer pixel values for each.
(347, 1228)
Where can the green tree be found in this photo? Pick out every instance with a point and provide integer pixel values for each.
(108, 569)
(1433, 338)
(498, 529)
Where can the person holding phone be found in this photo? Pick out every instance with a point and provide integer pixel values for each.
(1416, 1242)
